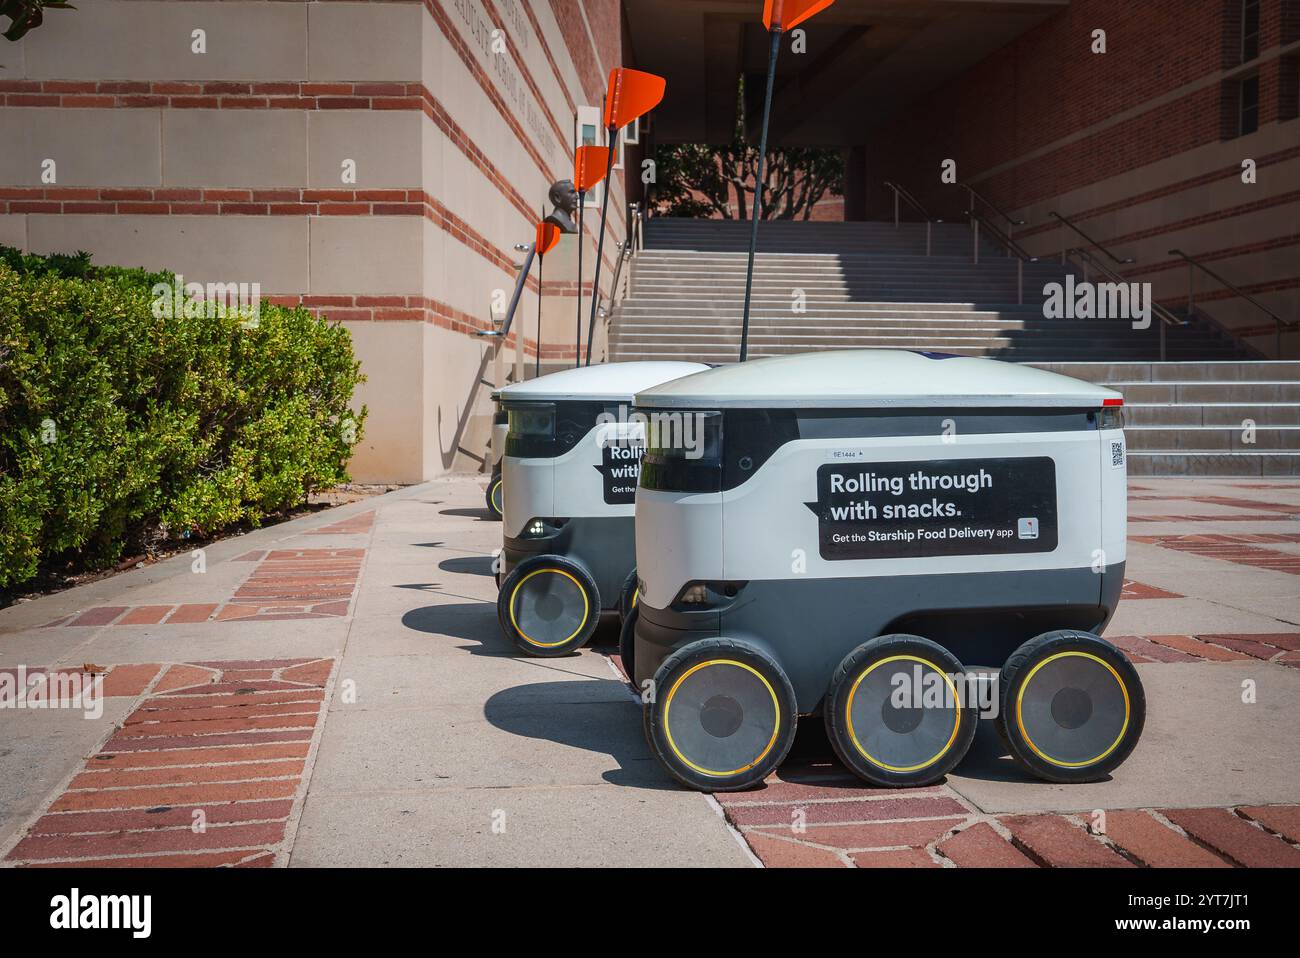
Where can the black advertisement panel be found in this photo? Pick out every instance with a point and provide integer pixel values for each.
(620, 468)
(889, 510)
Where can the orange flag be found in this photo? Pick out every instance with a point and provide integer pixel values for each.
(589, 166)
(548, 234)
(630, 94)
(781, 15)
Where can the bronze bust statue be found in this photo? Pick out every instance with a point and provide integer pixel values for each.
(565, 200)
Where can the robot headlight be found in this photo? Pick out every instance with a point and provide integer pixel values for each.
(542, 528)
(698, 596)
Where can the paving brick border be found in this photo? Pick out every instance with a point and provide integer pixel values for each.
(285, 584)
(207, 770)
(820, 816)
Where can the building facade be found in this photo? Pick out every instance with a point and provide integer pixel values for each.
(376, 161)
(1174, 128)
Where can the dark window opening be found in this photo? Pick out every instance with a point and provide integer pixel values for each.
(1248, 110)
(1249, 30)
(1288, 98)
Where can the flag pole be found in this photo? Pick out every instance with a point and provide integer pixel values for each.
(757, 209)
(600, 246)
(537, 365)
(577, 349)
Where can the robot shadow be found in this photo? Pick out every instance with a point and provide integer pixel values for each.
(597, 715)
(477, 622)
(467, 565)
(465, 621)
(481, 513)
(989, 761)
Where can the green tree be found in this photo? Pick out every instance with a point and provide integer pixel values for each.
(695, 179)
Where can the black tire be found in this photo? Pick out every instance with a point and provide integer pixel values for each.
(493, 496)
(892, 746)
(1072, 722)
(548, 606)
(732, 728)
(628, 595)
(627, 645)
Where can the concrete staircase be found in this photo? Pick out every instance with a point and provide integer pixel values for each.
(846, 285)
(1195, 419)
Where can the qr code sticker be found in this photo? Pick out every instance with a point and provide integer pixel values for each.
(1116, 455)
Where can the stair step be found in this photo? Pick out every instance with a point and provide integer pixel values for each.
(1212, 463)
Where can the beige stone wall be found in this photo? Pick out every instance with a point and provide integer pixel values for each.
(227, 166)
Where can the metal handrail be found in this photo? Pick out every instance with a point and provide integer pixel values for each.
(1012, 247)
(1167, 317)
(624, 252)
(912, 201)
(1091, 242)
(1193, 263)
(976, 195)
(635, 239)
(521, 278)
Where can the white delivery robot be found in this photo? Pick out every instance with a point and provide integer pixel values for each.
(572, 454)
(496, 449)
(842, 531)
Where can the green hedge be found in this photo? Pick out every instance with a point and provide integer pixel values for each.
(121, 428)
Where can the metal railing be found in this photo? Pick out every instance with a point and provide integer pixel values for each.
(635, 227)
(903, 196)
(1010, 245)
(1166, 316)
(977, 198)
(1065, 246)
(1194, 264)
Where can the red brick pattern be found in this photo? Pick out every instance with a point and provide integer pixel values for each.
(297, 584)
(285, 584)
(203, 774)
(1269, 517)
(118, 680)
(1286, 510)
(1236, 838)
(213, 94)
(817, 816)
(175, 201)
(1138, 590)
(1241, 549)
(1281, 648)
(359, 524)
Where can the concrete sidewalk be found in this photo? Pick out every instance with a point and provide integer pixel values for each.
(335, 691)
(436, 745)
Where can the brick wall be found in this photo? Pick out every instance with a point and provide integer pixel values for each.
(1138, 145)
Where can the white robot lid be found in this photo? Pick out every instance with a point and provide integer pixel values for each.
(852, 378)
(607, 381)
